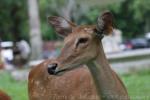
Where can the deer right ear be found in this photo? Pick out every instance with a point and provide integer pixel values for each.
(105, 23)
(61, 25)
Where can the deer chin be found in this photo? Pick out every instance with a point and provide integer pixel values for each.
(63, 70)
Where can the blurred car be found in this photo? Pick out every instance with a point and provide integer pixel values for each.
(136, 43)
(147, 35)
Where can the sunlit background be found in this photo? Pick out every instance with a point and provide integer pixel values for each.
(26, 39)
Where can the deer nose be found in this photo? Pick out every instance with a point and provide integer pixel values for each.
(52, 68)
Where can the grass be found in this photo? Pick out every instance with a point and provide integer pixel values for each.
(137, 83)
(16, 89)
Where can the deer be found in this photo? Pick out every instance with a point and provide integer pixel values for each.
(81, 71)
(4, 96)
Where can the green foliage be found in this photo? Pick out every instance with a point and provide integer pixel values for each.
(13, 19)
(47, 32)
(141, 9)
(92, 16)
(46, 8)
(132, 17)
(142, 13)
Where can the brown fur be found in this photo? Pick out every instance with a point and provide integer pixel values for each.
(77, 84)
(4, 96)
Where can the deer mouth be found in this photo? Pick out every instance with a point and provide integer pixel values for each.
(61, 72)
(64, 70)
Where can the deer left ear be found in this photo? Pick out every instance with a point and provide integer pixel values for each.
(62, 26)
(105, 23)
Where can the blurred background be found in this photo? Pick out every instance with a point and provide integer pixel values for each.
(26, 39)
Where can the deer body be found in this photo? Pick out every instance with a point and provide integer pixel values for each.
(67, 77)
(73, 85)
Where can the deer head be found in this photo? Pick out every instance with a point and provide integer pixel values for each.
(81, 43)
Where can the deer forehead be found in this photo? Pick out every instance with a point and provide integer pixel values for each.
(79, 32)
(84, 29)
(75, 36)
(88, 30)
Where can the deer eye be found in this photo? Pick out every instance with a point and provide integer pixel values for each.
(81, 41)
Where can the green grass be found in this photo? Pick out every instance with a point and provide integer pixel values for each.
(137, 83)
(16, 89)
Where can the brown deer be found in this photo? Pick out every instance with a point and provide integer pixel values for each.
(81, 71)
(4, 96)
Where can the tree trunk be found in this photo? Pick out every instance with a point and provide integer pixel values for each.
(35, 32)
(67, 9)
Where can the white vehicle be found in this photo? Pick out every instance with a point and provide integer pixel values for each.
(147, 35)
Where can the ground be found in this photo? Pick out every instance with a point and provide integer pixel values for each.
(137, 84)
(16, 89)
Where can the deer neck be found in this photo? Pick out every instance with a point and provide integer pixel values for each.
(107, 83)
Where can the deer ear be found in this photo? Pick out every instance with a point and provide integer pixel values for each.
(105, 23)
(61, 25)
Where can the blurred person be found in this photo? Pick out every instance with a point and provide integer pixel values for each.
(21, 52)
(17, 55)
(24, 48)
(6, 55)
